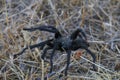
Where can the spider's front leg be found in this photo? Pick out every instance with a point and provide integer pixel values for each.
(45, 28)
(41, 45)
(42, 28)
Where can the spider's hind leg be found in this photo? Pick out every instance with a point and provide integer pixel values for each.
(94, 59)
(76, 33)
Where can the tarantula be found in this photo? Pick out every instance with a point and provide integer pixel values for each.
(69, 43)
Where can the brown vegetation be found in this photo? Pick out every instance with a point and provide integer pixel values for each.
(100, 19)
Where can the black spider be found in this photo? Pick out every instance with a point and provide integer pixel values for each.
(68, 43)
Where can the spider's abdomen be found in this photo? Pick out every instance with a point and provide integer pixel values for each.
(79, 43)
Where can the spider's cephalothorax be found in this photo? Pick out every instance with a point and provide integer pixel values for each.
(72, 42)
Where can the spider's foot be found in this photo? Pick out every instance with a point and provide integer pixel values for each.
(16, 55)
(61, 75)
(42, 57)
(95, 68)
(49, 75)
(65, 73)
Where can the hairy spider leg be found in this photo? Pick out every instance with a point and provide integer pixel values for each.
(42, 28)
(68, 61)
(76, 32)
(45, 28)
(41, 45)
(51, 57)
(94, 58)
(45, 51)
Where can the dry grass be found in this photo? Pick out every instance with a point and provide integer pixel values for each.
(100, 19)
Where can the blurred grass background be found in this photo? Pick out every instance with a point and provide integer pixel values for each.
(100, 19)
